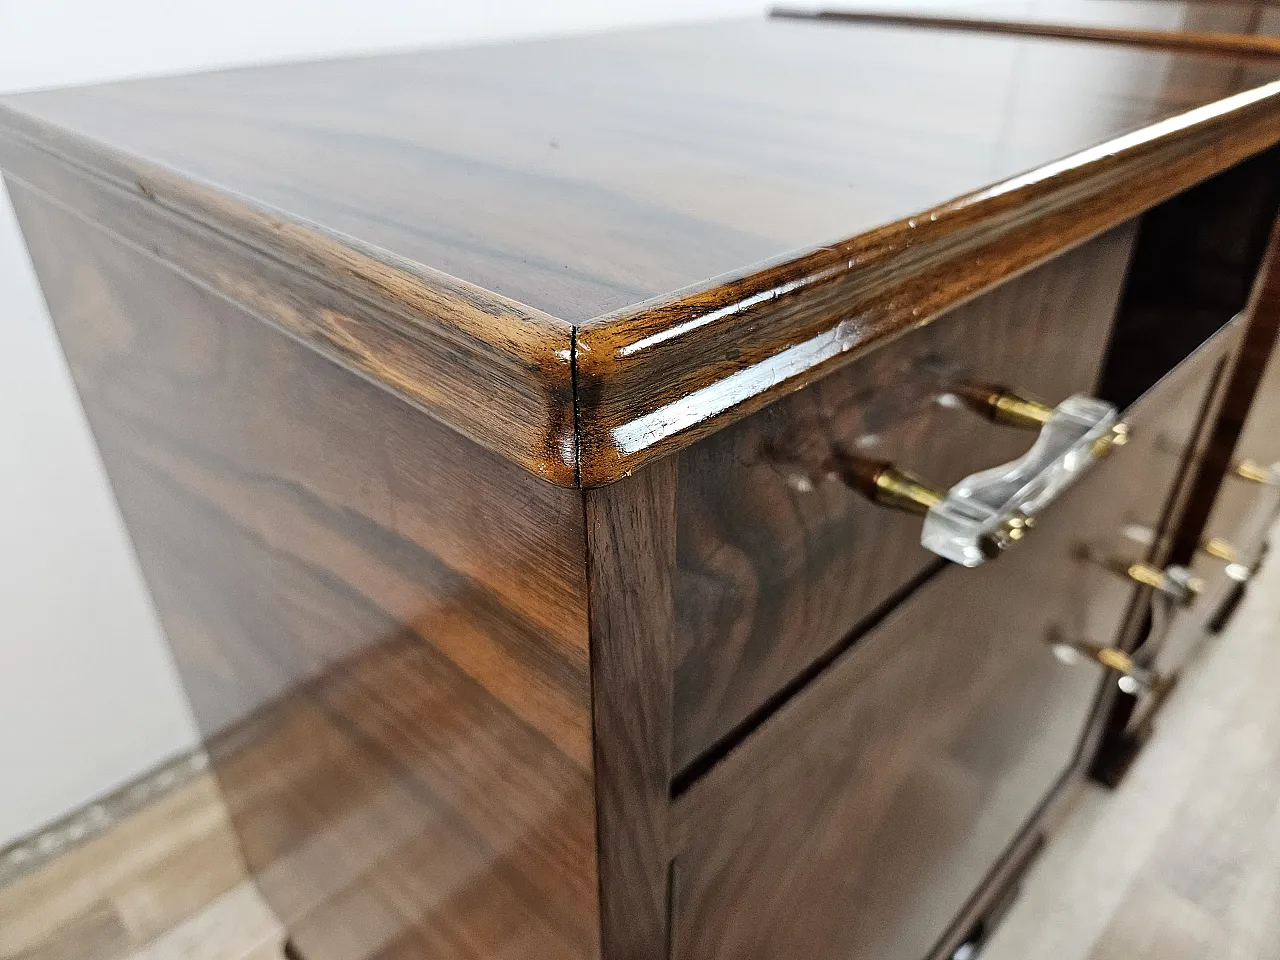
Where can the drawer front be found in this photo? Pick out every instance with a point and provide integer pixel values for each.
(858, 820)
(778, 565)
(1243, 512)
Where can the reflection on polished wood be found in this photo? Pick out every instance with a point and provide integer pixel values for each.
(1125, 876)
(415, 822)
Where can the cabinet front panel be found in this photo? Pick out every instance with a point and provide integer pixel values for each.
(1235, 538)
(857, 821)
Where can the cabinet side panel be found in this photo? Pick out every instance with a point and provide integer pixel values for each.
(381, 626)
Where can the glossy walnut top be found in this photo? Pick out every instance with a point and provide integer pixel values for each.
(624, 241)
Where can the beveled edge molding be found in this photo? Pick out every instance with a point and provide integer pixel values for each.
(1234, 45)
(411, 330)
(655, 378)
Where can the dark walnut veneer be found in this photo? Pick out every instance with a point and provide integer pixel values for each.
(472, 413)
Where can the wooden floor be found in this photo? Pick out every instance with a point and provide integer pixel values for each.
(165, 884)
(1183, 861)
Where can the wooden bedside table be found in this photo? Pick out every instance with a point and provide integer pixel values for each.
(564, 470)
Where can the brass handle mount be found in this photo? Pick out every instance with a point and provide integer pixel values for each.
(884, 484)
(1131, 677)
(1175, 582)
(1002, 405)
(1255, 472)
(1236, 568)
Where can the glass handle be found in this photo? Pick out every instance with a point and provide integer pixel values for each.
(989, 511)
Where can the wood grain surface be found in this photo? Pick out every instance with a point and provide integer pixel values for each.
(383, 622)
(631, 546)
(1232, 17)
(780, 562)
(1230, 30)
(657, 379)
(417, 822)
(634, 238)
(939, 735)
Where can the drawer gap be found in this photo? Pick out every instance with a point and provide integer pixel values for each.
(726, 744)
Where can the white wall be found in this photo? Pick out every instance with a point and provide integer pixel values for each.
(88, 695)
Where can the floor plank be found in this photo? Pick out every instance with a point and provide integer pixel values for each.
(236, 926)
(106, 898)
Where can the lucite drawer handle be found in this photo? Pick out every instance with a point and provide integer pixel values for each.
(989, 511)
